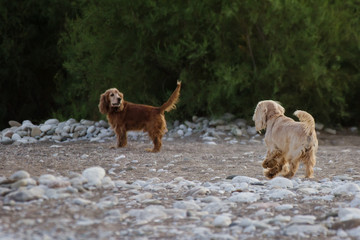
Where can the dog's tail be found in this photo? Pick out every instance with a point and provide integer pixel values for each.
(171, 102)
(307, 119)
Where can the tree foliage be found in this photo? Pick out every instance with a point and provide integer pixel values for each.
(29, 60)
(228, 54)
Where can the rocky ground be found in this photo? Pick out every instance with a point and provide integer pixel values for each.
(206, 183)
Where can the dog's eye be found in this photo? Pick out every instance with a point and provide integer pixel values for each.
(111, 95)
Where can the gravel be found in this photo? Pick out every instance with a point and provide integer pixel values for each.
(59, 180)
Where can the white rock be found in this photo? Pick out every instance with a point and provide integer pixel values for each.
(51, 122)
(346, 214)
(301, 230)
(180, 132)
(284, 207)
(46, 178)
(19, 175)
(15, 137)
(6, 140)
(23, 195)
(244, 197)
(216, 207)
(107, 183)
(45, 128)
(148, 214)
(23, 183)
(251, 131)
(248, 180)
(236, 132)
(355, 232)
(308, 191)
(188, 205)
(281, 194)
(280, 182)
(82, 201)
(94, 175)
(198, 191)
(346, 189)
(222, 221)
(304, 219)
(141, 197)
(356, 201)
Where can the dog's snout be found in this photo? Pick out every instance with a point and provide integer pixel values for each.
(119, 99)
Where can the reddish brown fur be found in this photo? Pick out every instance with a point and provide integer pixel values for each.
(126, 116)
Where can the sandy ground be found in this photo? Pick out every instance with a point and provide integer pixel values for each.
(189, 158)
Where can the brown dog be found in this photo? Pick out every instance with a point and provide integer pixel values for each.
(125, 116)
(288, 142)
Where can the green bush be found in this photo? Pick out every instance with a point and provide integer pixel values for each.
(228, 54)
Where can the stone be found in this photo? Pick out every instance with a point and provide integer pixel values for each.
(87, 122)
(301, 230)
(35, 132)
(236, 132)
(330, 131)
(303, 219)
(45, 128)
(188, 205)
(319, 126)
(19, 175)
(107, 183)
(347, 189)
(248, 180)
(51, 122)
(6, 141)
(280, 182)
(23, 183)
(94, 175)
(23, 195)
(197, 191)
(13, 123)
(346, 214)
(148, 214)
(244, 197)
(15, 137)
(356, 201)
(141, 197)
(251, 131)
(222, 221)
(280, 194)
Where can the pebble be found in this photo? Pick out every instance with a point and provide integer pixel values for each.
(236, 207)
(222, 221)
(94, 175)
(280, 182)
(72, 130)
(19, 175)
(204, 210)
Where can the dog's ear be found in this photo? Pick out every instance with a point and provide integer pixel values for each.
(280, 108)
(104, 103)
(121, 107)
(263, 116)
(260, 117)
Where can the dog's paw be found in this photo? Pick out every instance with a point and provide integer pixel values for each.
(271, 173)
(152, 150)
(113, 147)
(269, 163)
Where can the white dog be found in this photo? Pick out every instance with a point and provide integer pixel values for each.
(288, 142)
